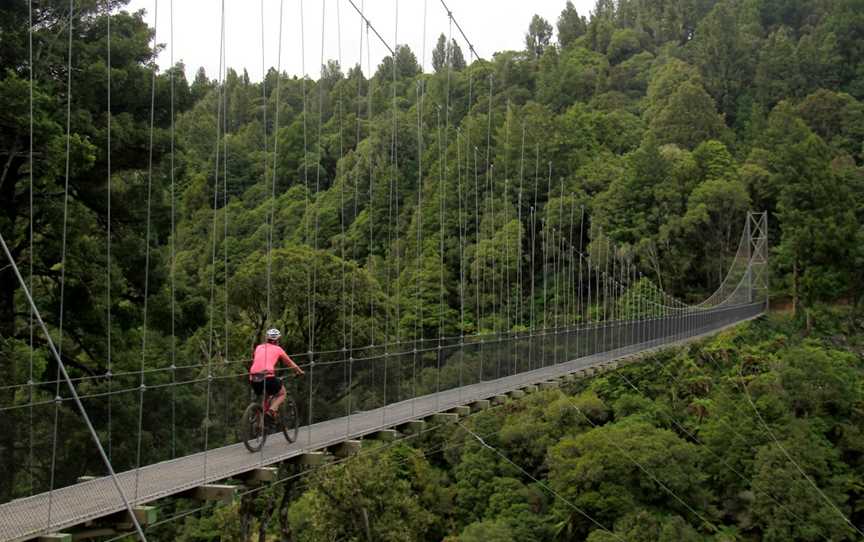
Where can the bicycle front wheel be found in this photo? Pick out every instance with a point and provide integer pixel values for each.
(290, 420)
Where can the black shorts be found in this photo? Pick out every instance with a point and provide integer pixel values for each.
(273, 386)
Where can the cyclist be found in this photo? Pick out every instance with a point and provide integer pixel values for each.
(267, 355)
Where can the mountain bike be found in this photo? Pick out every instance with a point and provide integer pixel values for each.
(256, 425)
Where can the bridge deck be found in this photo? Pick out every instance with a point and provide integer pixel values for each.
(26, 518)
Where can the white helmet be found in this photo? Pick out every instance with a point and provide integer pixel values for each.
(273, 334)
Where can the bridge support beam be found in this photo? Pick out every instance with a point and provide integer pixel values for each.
(224, 493)
(550, 385)
(444, 417)
(529, 388)
(500, 399)
(146, 515)
(346, 448)
(261, 476)
(56, 537)
(385, 435)
(461, 411)
(413, 427)
(516, 394)
(310, 459)
(482, 404)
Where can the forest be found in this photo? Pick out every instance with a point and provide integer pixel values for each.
(687, 445)
(163, 224)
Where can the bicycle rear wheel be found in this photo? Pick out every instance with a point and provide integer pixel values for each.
(252, 428)
(290, 420)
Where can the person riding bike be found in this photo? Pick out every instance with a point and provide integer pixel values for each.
(267, 355)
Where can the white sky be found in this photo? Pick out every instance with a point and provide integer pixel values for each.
(490, 25)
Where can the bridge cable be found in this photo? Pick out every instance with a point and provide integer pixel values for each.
(273, 175)
(505, 276)
(371, 164)
(219, 125)
(173, 248)
(315, 211)
(581, 310)
(563, 499)
(418, 317)
(444, 173)
(359, 74)
(32, 444)
(570, 310)
(393, 200)
(450, 15)
(641, 467)
(310, 301)
(692, 435)
(142, 387)
(108, 233)
(441, 210)
(461, 259)
(342, 199)
(478, 274)
(782, 448)
(62, 260)
(489, 211)
(222, 353)
(346, 369)
(519, 256)
(368, 27)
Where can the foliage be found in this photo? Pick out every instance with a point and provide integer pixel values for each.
(627, 448)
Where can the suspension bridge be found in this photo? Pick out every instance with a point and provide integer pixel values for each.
(168, 429)
(468, 372)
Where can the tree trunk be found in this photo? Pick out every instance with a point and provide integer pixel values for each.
(795, 288)
(265, 518)
(285, 532)
(366, 525)
(247, 512)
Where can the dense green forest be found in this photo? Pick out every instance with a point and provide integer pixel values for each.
(686, 445)
(368, 206)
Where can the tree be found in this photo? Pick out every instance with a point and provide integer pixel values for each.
(725, 48)
(439, 54)
(688, 119)
(406, 65)
(369, 499)
(715, 212)
(538, 36)
(570, 25)
(624, 43)
(837, 118)
(777, 73)
(597, 471)
(445, 55)
(457, 59)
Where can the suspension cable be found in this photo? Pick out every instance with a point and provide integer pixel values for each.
(557, 495)
(450, 15)
(62, 260)
(32, 444)
(369, 26)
